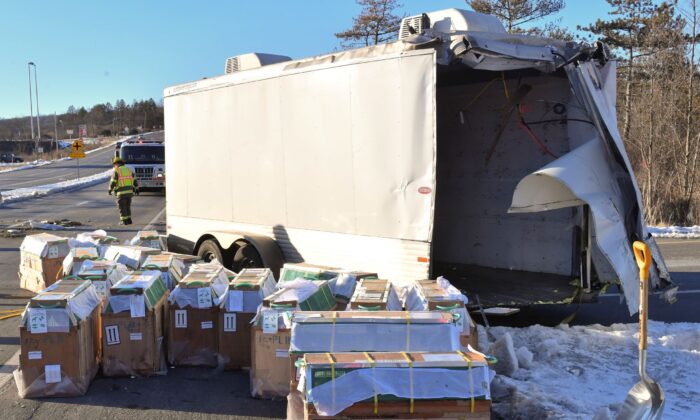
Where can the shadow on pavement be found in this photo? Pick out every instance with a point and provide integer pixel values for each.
(190, 390)
(610, 309)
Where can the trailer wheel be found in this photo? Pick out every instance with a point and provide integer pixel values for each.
(209, 250)
(246, 256)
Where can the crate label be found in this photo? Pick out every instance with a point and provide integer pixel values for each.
(282, 353)
(449, 357)
(235, 301)
(181, 318)
(137, 306)
(52, 374)
(53, 251)
(270, 322)
(34, 355)
(112, 335)
(38, 322)
(207, 325)
(204, 297)
(100, 287)
(230, 322)
(135, 336)
(459, 318)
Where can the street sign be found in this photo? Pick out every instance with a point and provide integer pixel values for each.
(40, 150)
(69, 132)
(77, 150)
(82, 130)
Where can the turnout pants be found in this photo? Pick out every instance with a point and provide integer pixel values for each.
(124, 204)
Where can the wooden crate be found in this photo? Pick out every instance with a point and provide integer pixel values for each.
(134, 346)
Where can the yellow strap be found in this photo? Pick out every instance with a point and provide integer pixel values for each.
(505, 86)
(410, 378)
(331, 360)
(372, 363)
(471, 378)
(333, 317)
(408, 331)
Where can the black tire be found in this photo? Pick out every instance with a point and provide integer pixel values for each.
(246, 256)
(209, 250)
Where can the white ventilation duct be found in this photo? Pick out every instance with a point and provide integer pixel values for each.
(252, 61)
(449, 21)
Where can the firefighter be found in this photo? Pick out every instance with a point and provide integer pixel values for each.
(125, 186)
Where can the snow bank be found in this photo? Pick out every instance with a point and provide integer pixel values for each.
(22, 194)
(583, 371)
(11, 167)
(684, 232)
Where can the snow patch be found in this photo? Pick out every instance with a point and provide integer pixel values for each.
(503, 350)
(21, 194)
(681, 232)
(585, 372)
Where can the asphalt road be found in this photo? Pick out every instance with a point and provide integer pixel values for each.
(62, 170)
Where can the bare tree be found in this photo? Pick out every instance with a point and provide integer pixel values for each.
(514, 13)
(377, 23)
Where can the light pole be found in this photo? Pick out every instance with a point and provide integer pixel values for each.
(31, 106)
(36, 92)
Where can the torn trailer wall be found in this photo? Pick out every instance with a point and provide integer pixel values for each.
(599, 174)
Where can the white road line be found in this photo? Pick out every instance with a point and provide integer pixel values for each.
(150, 224)
(82, 202)
(7, 368)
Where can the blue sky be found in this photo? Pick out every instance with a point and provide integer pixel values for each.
(96, 51)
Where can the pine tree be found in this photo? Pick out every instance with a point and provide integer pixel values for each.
(636, 28)
(514, 13)
(377, 23)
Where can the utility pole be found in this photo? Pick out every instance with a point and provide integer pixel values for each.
(55, 132)
(31, 106)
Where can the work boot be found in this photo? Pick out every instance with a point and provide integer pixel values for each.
(128, 221)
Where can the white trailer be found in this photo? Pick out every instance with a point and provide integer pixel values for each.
(458, 150)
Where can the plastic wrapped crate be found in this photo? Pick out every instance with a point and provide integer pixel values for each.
(132, 323)
(76, 257)
(246, 292)
(41, 260)
(59, 341)
(360, 331)
(375, 295)
(441, 295)
(342, 282)
(396, 384)
(98, 238)
(103, 274)
(270, 371)
(148, 239)
(129, 255)
(171, 268)
(194, 315)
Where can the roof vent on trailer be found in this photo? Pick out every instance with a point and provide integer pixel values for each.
(252, 61)
(413, 25)
(449, 21)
